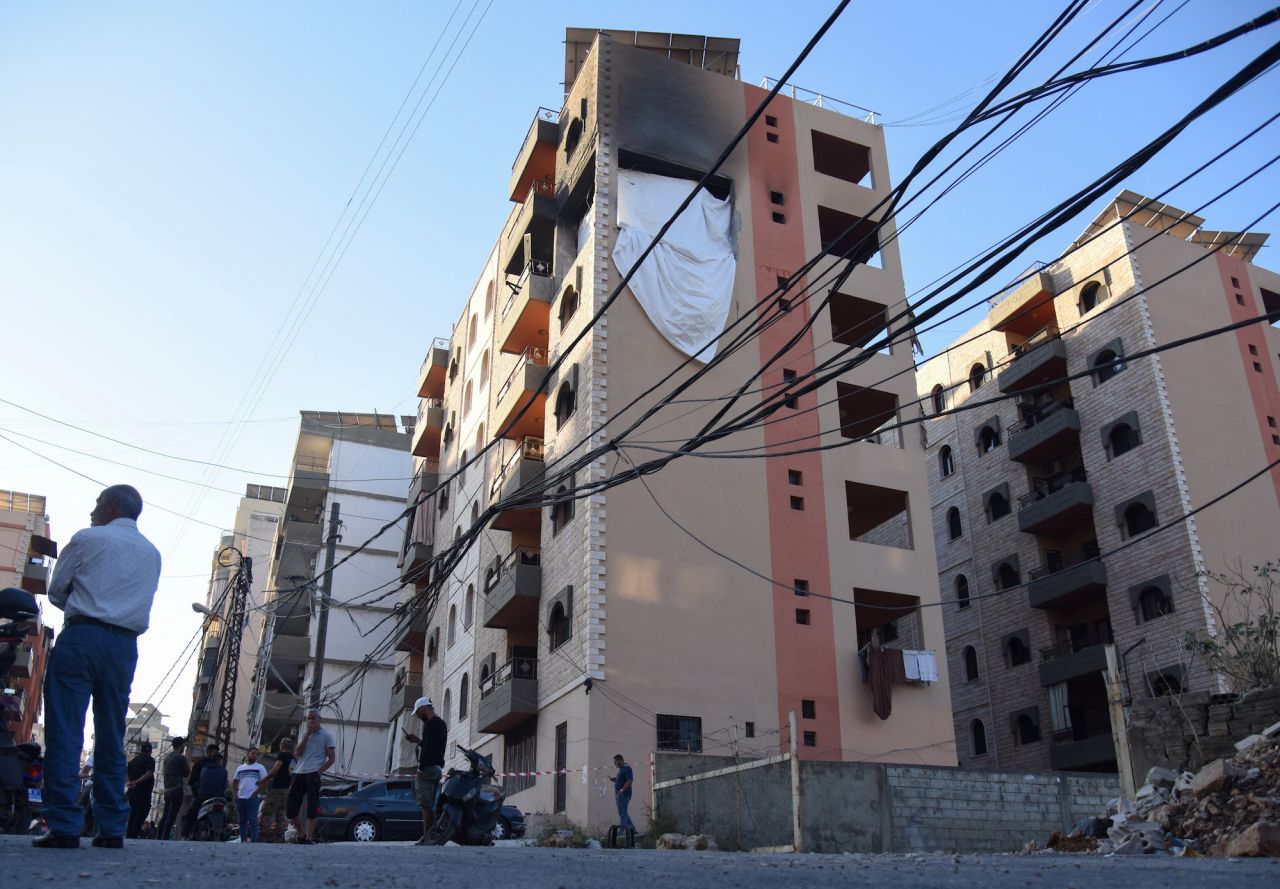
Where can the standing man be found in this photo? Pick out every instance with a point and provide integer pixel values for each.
(211, 757)
(622, 789)
(174, 770)
(316, 752)
(435, 735)
(105, 583)
(142, 778)
(249, 779)
(275, 788)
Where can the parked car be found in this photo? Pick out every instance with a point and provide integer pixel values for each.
(387, 810)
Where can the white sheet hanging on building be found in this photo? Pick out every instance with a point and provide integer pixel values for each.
(686, 285)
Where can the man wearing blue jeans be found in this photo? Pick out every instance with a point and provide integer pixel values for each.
(622, 789)
(104, 582)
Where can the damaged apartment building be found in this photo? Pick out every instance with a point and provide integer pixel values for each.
(1050, 507)
(596, 626)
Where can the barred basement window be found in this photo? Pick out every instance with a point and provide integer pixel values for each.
(683, 733)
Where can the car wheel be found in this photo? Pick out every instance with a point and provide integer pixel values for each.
(501, 829)
(364, 830)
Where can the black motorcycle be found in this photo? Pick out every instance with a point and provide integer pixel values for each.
(20, 764)
(468, 808)
(211, 820)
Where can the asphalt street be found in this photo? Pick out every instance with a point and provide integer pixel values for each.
(143, 864)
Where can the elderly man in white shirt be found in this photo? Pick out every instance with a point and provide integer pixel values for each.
(104, 581)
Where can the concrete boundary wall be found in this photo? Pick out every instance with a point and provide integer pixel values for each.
(874, 807)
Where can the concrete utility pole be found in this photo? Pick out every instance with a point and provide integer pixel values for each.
(322, 630)
(797, 831)
(1119, 724)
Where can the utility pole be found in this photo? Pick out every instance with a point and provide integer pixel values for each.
(322, 628)
(231, 669)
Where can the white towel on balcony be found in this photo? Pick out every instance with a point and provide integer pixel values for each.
(686, 285)
(920, 666)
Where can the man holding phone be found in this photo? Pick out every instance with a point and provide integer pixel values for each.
(435, 735)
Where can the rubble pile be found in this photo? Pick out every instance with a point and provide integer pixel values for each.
(1230, 807)
(700, 842)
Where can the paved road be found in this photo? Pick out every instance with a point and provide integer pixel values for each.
(142, 865)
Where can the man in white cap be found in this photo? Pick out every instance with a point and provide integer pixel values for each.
(435, 735)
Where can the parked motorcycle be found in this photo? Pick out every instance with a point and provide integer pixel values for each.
(20, 764)
(211, 820)
(468, 807)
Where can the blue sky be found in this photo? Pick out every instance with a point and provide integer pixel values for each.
(168, 174)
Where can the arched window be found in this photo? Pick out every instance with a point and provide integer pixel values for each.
(561, 511)
(464, 695)
(962, 591)
(568, 305)
(572, 137)
(469, 607)
(1026, 730)
(475, 511)
(997, 506)
(448, 705)
(467, 398)
(1164, 684)
(977, 376)
(462, 468)
(978, 735)
(946, 462)
(453, 627)
(939, 396)
(1017, 652)
(490, 577)
(970, 663)
(1138, 518)
(566, 404)
(1153, 603)
(1007, 576)
(1089, 297)
(558, 627)
(457, 533)
(485, 673)
(484, 368)
(954, 528)
(1123, 438)
(473, 331)
(988, 439)
(488, 300)
(433, 646)
(1106, 365)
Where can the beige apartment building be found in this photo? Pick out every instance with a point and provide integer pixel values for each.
(1037, 493)
(25, 550)
(585, 628)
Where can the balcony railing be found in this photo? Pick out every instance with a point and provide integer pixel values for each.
(1101, 636)
(539, 267)
(530, 448)
(1032, 272)
(1061, 562)
(1030, 416)
(515, 669)
(543, 113)
(531, 355)
(1043, 487)
(1039, 338)
(427, 404)
(405, 678)
(311, 464)
(521, 555)
(437, 343)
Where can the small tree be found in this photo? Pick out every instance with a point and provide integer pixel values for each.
(1246, 648)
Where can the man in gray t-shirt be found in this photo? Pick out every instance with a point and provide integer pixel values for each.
(316, 752)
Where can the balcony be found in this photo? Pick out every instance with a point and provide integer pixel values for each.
(1075, 657)
(1041, 359)
(308, 484)
(406, 690)
(410, 633)
(1026, 306)
(524, 467)
(526, 314)
(512, 595)
(292, 612)
(530, 234)
(298, 548)
(35, 578)
(282, 706)
(430, 426)
(1069, 583)
(1056, 503)
(523, 387)
(417, 556)
(290, 650)
(537, 156)
(1045, 434)
(1069, 754)
(509, 696)
(431, 374)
